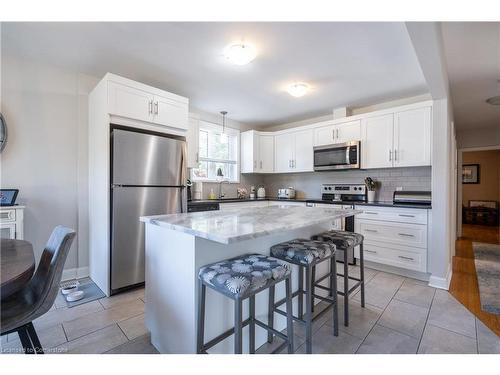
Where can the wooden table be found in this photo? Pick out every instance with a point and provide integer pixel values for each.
(18, 265)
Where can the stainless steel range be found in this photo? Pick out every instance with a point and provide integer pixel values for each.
(344, 193)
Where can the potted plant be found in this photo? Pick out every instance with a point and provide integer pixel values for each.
(371, 186)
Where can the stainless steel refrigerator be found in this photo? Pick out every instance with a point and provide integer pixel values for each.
(148, 177)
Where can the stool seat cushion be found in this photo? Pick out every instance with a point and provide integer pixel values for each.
(303, 251)
(342, 239)
(244, 275)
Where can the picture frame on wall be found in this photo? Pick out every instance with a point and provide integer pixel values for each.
(470, 174)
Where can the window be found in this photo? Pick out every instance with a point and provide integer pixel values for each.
(217, 151)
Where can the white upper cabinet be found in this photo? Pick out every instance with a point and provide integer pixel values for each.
(377, 141)
(294, 151)
(337, 133)
(348, 131)
(170, 112)
(257, 152)
(412, 137)
(283, 152)
(303, 158)
(136, 101)
(192, 140)
(402, 139)
(266, 153)
(130, 102)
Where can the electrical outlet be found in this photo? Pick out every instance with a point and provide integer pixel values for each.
(399, 188)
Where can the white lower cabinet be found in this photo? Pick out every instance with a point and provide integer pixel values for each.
(12, 222)
(394, 236)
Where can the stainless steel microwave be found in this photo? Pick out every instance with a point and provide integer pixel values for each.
(337, 156)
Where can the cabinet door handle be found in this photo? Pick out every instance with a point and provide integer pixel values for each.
(150, 107)
(197, 157)
(370, 251)
(406, 215)
(405, 258)
(395, 155)
(371, 213)
(337, 131)
(255, 164)
(261, 164)
(390, 155)
(293, 163)
(406, 235)
(371, 230)
(156, 108)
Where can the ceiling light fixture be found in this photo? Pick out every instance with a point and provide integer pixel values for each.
(298, 89)
(240, 53)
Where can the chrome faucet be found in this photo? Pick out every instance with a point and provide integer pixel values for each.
(221, 193)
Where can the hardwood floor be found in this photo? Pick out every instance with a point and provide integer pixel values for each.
(464, 286)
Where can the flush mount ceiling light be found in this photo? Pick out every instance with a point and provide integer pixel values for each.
(240, 53)
(495, 100)
(298, 89)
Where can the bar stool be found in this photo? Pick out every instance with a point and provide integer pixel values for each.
(306, 254)
(346, 242)
(242, 278)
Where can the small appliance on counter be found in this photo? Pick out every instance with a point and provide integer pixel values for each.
(261, 192)
(288, 193)
(412, 197)
(252, 192)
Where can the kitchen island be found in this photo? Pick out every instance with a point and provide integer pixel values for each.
(178, 245)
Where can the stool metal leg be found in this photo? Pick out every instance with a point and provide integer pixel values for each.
(333, 287)
(238, 327)
(289, 314)
(202, 290)
(308, 310)
(346, 289)
(301, 292)
(362, 273)
(312, 287)
(270, 314)
(251, 327)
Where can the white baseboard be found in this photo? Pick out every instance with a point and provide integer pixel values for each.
(442, 282)
(396, 270)
(75, 273)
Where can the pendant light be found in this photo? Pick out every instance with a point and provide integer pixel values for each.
(223, 136)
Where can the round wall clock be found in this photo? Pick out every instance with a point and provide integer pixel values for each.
(3, 133)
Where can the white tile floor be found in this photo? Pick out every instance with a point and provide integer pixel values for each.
(402, 315)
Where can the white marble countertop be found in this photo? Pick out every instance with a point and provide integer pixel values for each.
(229, 226)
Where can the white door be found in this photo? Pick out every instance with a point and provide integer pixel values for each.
(170, 112)
(324, 135)
(348, 131)
(303, 160)
(412, 137)
(8, 230)
(283, 152)
(377, 142)
(266, 153)
(130, 102)
(192, 140)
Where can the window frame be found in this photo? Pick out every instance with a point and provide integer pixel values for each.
(211, 127)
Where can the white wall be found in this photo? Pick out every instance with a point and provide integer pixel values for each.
(46, 111)
(487, 137)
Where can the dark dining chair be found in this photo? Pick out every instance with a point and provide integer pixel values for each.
(20, 309)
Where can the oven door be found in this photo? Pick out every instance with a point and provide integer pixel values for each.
(337, 156)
